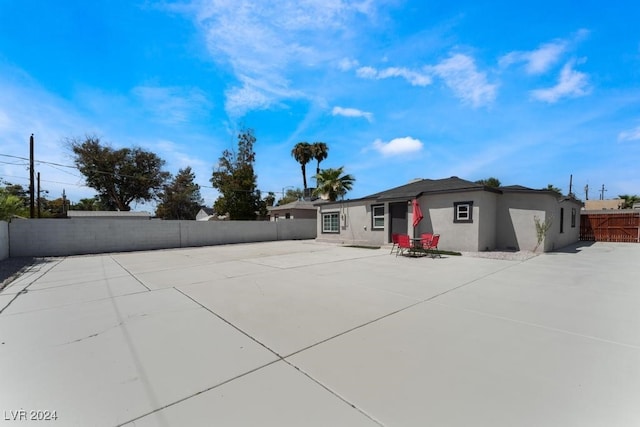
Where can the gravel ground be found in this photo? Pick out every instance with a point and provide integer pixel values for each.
(510, 256)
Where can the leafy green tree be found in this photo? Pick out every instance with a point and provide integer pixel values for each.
(291, 196)
(180, 198)
(88, 204)
(629, 200)
(119, 176)
(490, 182)
(18, 191)
(11, 205)
(55, 208)
(332, 183)
(303, 154)
(236, 181)
(551, 187)
(270, 199)
(319, 152)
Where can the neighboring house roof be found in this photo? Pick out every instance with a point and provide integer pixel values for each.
(208, 211)
(107, 214)
(298, 204)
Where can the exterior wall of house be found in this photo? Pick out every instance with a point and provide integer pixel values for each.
(293, 214)
(570, 227)
(438, 212)
(4, 240)
(515, 218)
(438, 217)
(355, 224)
(516, 221)
(58, 237)
(487, 224)
(499, 221)
(479, 234)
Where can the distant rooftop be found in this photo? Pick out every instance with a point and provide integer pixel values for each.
(108, 214)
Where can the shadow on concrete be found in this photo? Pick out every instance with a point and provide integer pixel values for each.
(574, 248)
(12, 268)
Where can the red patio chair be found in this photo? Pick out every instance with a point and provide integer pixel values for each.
(426, 239)
(433, 246)
(394, 240)
(404, 244)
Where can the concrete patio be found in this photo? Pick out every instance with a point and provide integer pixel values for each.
(298, 333)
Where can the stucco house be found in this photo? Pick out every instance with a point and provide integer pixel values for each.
(601, 205)
(300, 209)
(204, 214)
(468, 216)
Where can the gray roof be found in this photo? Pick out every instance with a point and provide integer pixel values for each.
(208, 211)
(298, 204)
(453, 184)
(429, 186)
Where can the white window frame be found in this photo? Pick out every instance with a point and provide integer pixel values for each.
(328, 223)
(379, 217)
(463, 212)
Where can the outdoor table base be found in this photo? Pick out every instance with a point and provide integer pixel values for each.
(416, 249)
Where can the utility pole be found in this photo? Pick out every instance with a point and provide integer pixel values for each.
(64, 203)
(602, 192)
(32, 209)
(571, 185)
(38, 194)
(586, 192)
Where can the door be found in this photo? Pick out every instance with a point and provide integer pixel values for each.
(398, 216)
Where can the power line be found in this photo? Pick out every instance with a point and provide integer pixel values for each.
(39, 161)
(53, 164)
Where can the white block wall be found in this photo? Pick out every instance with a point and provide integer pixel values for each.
(4, 240)
(61, 237)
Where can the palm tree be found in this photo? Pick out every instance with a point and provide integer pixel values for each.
(629, 200)
(303, 154)
(320, 151)
(333, 184)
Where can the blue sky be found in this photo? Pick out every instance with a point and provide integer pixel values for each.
(529, 94)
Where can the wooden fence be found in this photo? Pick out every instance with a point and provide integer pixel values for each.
(610, 227)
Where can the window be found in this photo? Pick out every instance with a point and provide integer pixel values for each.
(331, 222)
(377, 217)
(573, 217)
(463, 212)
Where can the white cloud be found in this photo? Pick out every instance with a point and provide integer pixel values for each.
(540, 60)
(351, 112)
(460, 74)
(398, 146)
(271, 42)
(413, 77)
(537, 61)
(172, 105)
(347, 64)
(571, 83)
(630, 135)
(242, 99)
